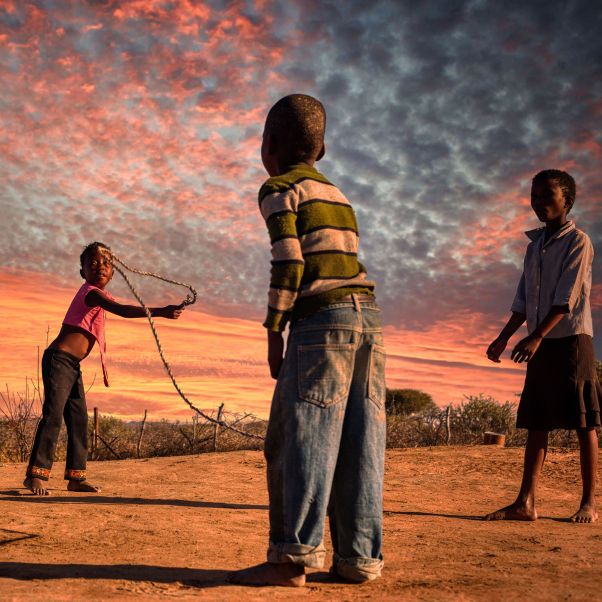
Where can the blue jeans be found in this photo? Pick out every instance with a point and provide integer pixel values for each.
(326, 440)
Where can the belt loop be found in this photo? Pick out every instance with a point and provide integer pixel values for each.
(356, 303)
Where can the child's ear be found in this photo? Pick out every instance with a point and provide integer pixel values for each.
(81, 273)
(321, 153)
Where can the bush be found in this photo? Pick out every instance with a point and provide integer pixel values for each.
(464, 424)
(407, 401)
(472, 418)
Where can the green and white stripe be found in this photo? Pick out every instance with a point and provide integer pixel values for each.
(314, 237)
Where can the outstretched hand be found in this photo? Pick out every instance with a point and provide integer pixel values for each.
(172, 312)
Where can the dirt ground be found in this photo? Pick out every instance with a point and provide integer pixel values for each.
(174, 527)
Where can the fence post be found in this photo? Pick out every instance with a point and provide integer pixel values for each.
(216, 426)
(95, 434)
(448, 425)
(140, 436)
(195, 421)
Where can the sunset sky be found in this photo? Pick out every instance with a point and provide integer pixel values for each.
(139, 124)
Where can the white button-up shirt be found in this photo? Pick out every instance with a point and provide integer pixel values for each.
(557, 272)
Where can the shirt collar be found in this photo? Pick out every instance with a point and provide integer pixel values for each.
(538, 232)
(301, 165)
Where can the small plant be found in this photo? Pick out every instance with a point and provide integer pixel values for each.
(20, 414)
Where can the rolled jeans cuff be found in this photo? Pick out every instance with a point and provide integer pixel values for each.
(297, 553)
(357, 569)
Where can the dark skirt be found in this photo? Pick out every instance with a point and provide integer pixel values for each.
(561, 389)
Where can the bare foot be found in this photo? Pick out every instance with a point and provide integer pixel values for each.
(82, 486)
(586, 514)
(36, 486)
(270, 573)
(516, 511)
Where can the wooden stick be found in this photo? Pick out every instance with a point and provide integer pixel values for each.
(448, 425)
(95, 434)
(140, 436)
(216, 426)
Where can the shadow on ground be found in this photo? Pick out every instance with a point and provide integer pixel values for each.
(201, 578)
(15, 496)
(418, 513)
(9, 536)
(129, 572)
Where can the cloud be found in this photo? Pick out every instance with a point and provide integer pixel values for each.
(219, 359)
(438, 117)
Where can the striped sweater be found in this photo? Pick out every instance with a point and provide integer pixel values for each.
(314, 237)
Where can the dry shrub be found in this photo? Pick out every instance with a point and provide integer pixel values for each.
(165, 438)
(479, 414)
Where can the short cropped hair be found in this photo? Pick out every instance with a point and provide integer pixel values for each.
(89, 249)
(564, 180)
(298, 123)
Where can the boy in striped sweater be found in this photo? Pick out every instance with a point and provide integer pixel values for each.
(326, 435)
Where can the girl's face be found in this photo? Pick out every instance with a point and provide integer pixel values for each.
(547, 200)
(98, 268)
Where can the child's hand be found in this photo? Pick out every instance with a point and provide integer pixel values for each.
(526, 348)
(496, 349)
(275, 352)
(172, 312)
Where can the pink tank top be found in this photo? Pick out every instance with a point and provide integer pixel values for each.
(90, 319)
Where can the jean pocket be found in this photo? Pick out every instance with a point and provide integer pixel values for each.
(325, 372)
(376, 375)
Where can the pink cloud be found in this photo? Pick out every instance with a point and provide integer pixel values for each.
(217, 359)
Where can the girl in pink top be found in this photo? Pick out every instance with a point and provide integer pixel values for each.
(63, 388)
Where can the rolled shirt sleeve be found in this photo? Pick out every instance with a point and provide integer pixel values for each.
(575, 268)
(519, 305)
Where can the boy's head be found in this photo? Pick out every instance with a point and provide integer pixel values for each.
(96, 264)
(552, 194)
(293, 133)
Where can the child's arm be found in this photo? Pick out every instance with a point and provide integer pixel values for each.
(518, 317)
(575, 268)
(525, 349)
(97, 298)
(275, 352)
(279, 211)
(497, 347)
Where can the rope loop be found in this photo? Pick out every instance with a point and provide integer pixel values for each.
(189, 300)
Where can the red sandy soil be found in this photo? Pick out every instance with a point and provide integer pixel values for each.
(174, 527)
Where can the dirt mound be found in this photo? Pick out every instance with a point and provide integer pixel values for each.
(176, 526)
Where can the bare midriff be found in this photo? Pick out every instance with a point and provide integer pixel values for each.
(74, 340)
